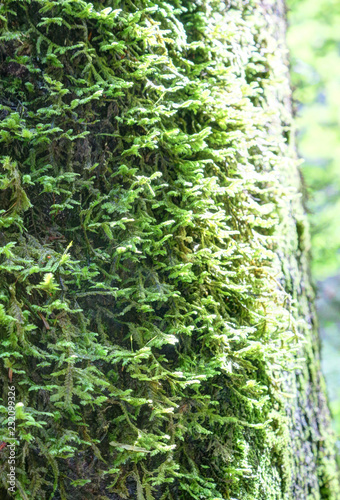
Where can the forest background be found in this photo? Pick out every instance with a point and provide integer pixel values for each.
(314, 43)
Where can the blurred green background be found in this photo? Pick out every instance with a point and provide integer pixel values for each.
(314, 43)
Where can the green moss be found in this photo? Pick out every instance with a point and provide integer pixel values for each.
(146, 213)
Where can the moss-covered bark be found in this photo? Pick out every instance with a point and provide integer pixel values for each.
(157, 313)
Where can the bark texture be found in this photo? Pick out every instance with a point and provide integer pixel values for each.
(313, 475)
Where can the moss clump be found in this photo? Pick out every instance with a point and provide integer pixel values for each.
(144, 318)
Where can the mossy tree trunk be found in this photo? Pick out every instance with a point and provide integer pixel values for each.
(157, 317)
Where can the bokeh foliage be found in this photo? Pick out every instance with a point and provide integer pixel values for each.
(314, 40)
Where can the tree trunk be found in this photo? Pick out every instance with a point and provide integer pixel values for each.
(157, 317)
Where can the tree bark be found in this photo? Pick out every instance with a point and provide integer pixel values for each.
(157, 318)
(308, 415)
